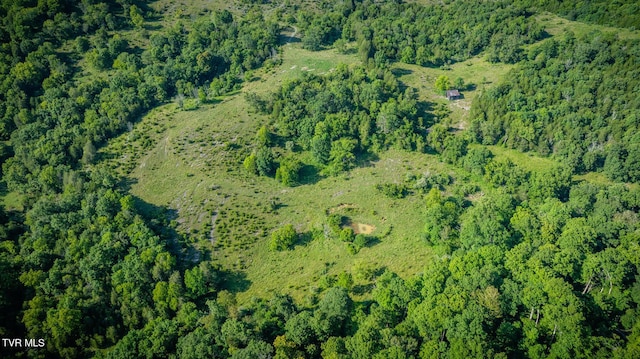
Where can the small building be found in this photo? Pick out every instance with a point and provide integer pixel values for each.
(453, 95)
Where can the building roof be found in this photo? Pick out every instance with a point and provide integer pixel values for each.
(453, 93)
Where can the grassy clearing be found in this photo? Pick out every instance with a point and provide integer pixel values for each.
(295, 61)
(528, 161)
(12, 201)
(398, 224)
(556, 25)
(476, 72)
(191, 163)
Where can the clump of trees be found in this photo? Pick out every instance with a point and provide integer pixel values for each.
(340, 116)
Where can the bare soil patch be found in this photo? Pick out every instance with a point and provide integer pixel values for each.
(362, 228)
(341, 207)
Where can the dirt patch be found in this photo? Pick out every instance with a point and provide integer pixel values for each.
(341, 207)
(463, 105)
(363, 228)
(475, 196)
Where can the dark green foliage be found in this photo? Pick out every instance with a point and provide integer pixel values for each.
(572, 97)
(255, 349)
(504, 173)
(476, 159)
(200, 280)
(554, 183)
(352, 111)
(441, 218)
(435, 35)
(533, 266)
(360, 241)
(11, 289)
(264, 162)
(486, 222)
(335, 221)
(321, 28)
(347, 235)
(333, 313)
(624, 13)
(392, 190)
(341, 156)
(301, 328)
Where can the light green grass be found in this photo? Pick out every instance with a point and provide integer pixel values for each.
(594, 177)
(197, 178)
(192, 164)
(12, 201)
(401, 250)
(556, 25)
(296, 61)
(476, 71)
(527, 161)
(601, 179)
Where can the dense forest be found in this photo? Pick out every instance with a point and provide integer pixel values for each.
(425, 35)
(538, 264)
(570, 98)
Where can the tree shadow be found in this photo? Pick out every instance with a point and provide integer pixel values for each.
(366, 159)
(371, 241)
(287, 36)
(159, 219)
(362, 289)
(127, 182)
(3, 188)
(545, 35)
(426, 109)
(284, 39)
(234, 281)
(398, 71)
(153, 27)
(304, 239)
(309, 174)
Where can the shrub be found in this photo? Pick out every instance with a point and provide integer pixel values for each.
(360, 241)
(283, 238)
(250, 164)
(392, 190)
(335, 221)
(351, 249)
(288, 171)
(347, 235)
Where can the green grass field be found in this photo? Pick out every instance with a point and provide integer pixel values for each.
(477, 73)
(556, 25)
(191, 163)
